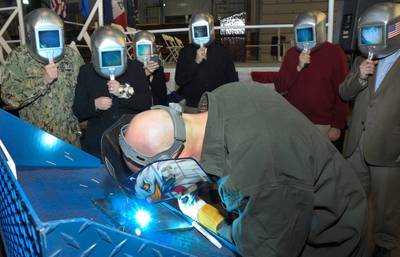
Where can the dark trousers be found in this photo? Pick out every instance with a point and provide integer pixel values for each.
(382, 185)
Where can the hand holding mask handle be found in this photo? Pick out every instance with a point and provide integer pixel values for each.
(371, 53)
(304, 58)
(307, 51)
(205, 51)
(50, 57)
(201, 54)
(115, 89)
(113, 86)
(50, 70)
(367, 68)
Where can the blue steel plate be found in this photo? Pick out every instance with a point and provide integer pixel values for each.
(60, 194)
(30, 146)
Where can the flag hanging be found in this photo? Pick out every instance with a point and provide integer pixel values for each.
(84, 6)
(114, 12)
(130, 13)
(119, 13)
(59, 7)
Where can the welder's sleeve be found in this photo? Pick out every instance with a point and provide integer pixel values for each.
(274, 223)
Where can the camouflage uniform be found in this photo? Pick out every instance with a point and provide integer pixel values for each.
(48, 106)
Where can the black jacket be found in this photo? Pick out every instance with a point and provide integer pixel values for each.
(195, 79)
(158, 87)
(91, 86)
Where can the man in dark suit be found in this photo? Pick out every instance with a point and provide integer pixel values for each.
(372, 144)
(204, 64)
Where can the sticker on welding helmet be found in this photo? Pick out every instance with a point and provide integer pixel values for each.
(162, 180)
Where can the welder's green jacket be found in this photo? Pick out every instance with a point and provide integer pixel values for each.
(295, 193)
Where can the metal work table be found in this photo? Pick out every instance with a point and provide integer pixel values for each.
(54, 207)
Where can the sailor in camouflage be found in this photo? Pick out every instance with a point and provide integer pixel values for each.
(43, 93)
(46, 105)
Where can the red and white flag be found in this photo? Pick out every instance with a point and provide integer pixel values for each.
(59, 6)
(119, 12)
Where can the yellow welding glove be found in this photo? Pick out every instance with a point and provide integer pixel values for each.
(198, 210)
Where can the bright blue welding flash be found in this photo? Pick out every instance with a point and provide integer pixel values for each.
(142, 217)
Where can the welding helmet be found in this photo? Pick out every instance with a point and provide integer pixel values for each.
(166, 179)
(145, 46)
(175, 112)
(44, 35)
(111, 154)
(379, 30)
(109, 55)
(162, 176)
(310, 30)
(201, 29)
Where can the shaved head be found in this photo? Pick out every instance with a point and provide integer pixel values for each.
(150, 132)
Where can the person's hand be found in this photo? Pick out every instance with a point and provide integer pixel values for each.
(150, 67)
(103, 103)
(334, 134)
(304, 58)
(50, 72)
(367, 68)
(190, 205)
(113, 87)
(201, 54)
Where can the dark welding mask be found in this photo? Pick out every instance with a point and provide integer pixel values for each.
(158, 177)
(175, 112)
(379, 30)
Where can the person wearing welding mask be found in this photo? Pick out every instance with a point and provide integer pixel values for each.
(293, 192)
(311, 73)
(204, 64)
(372, 143)
(112, 86)
(39, 77)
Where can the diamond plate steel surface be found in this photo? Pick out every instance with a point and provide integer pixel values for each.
(18, 222)
(70, 225)
(97, 240)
